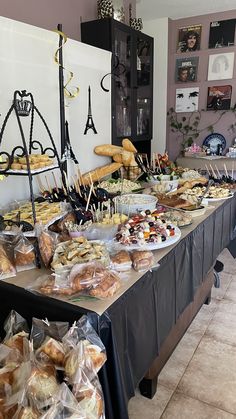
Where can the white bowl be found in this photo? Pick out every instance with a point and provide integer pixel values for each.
(196, 212)
(132, 203)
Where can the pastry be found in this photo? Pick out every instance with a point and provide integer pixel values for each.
(28, 413)
(6, 267)
(142, 260)
(90, 400)
(24, 256)
(54, 350)
(18, 341)
(15, 166)
(94, 352)
(42, 384)
(107, 286)
(46, 247)
(121, 261)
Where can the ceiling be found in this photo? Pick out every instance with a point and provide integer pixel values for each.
(176, 9)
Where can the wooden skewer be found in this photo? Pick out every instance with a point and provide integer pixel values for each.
(226, 172)
(89, 197)
(213, 171)
(80, 177)
(158, 162)
(48, 186)
(40, 185)
(55, 181)
(63, 188)
(208, 171)
(217, 171)
(232, 172)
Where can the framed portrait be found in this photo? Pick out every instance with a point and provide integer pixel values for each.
(222, 33)
(189, 38)
(221, 66)
(219, 97)
(186, 69)
(186, 99)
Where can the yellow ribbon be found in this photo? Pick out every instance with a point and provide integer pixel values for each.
(68, 93)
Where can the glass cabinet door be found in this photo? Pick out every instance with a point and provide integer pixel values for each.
(122, 77)
(144, 86)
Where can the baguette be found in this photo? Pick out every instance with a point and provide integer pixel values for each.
(128, 145)
(127, 157)
(100, 172)
(107, 150)
(117, 158)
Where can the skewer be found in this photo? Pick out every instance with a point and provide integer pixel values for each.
(63, 188)
(55, 181)
(40, 185)
(208, 171)
(226, 172)
(158, 162)
(89, 197)
(48, 186)
(232, 172)
(80, 177)
(217, 171)
(213, 172)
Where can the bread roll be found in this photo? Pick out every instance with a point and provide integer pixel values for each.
(100, 172)
(107, 150)
(128, 145)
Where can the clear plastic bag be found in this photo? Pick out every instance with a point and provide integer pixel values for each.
(142, 260)
(47, 241)
(7, 265)
(64, 406)
(24, 253)
(16, 338)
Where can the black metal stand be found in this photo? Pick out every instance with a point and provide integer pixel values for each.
(23, 105)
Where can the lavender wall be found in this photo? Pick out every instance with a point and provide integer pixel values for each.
(48, 13)
(173, 144)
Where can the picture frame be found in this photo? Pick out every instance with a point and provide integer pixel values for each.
(186, 69)
(219, 97)
(222, 33)
(220, 66)
(189, 38)
(186, 99)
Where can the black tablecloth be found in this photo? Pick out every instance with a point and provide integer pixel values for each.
(135, 326)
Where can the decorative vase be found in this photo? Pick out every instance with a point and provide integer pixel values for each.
(134, 22)
(119, 10)
(105, 9)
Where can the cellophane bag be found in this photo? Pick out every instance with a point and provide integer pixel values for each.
(47, 241)
(64, 406)
(7, 265)
(17, 333)
(24, 253)
(47, 339)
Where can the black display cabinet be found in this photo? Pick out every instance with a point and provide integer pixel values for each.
(132, 79)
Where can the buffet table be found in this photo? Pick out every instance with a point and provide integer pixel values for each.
(137, 323)
(199, 163)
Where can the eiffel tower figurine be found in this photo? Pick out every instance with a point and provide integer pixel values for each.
(68, 153)
(89, 123)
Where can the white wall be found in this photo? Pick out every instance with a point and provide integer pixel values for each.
(27, 63)
(158, 29)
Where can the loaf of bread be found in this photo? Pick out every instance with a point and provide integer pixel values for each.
(117, 158)
(128, 145)
(100, 172)
(107, 150)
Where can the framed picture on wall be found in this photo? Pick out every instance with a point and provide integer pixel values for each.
(222, 33)
(186, 99)
(220, 66)
(219, 97)
(189, 38)
(186, 69)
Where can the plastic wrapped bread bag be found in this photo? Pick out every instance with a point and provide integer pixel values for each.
(7, 266)
(47, 339)
(142, 260)
(64, 406)
(24, 254)
(16, 338)
(89, 395)
(47, 241)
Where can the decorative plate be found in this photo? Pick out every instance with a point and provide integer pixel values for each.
(213, 140)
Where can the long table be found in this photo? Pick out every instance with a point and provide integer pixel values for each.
(137, 323)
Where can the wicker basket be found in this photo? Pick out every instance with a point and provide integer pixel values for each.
(130, 172)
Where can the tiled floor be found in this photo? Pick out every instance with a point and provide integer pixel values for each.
(199, 380)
